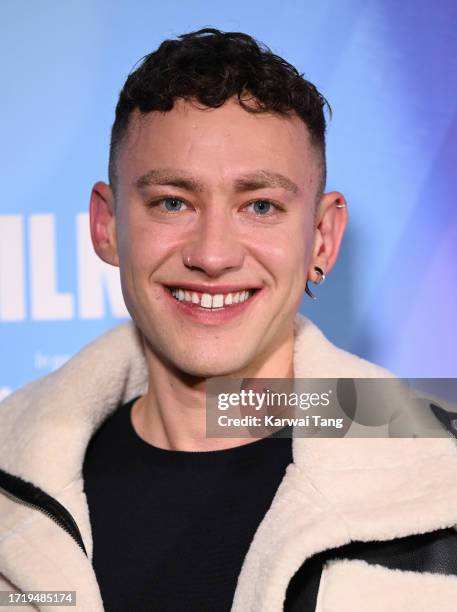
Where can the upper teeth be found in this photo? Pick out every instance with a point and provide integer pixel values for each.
(207, 300)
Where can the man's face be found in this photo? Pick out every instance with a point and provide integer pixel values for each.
(214, 228)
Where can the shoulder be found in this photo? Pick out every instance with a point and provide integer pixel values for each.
(55, 416)
(317, 357)
(118, 350)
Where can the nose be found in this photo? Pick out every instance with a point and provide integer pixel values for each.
(214, 247)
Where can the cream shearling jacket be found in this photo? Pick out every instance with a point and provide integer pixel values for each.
(335, 491)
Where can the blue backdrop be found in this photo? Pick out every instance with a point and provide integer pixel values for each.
(389, 70)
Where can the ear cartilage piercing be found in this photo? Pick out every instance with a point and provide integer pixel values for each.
(340, 205)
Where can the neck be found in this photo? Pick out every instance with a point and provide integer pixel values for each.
(172, 413)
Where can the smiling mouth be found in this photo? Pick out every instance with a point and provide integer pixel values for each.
(208, 301)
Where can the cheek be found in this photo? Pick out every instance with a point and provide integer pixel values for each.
(136, 249)
(143, 244)
(282, 251)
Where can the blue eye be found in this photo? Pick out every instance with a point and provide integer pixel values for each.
(261, 207)
(173, 204)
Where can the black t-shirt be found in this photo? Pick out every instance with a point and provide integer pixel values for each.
(171, 528)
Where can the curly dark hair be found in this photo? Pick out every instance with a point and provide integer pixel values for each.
(211, 66)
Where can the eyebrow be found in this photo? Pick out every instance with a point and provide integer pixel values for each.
(251, 181)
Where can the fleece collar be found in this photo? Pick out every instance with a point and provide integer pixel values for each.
(335, 491)
(46, 425)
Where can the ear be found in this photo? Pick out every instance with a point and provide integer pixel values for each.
(330, 223)
(103, 223)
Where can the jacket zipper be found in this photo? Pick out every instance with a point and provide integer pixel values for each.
(28, 494)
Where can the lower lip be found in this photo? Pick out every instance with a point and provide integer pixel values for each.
(214, 316)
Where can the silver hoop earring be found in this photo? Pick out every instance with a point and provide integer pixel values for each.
(321, 274)
(340, 205)
(319, 282)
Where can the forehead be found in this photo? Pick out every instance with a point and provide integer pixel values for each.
(217, 142)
